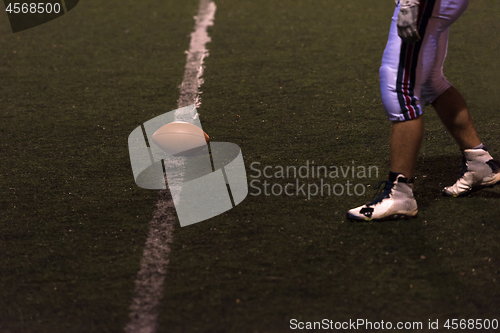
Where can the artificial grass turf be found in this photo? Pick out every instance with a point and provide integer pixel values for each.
(73, 221)
(289, 82)
(292, 82)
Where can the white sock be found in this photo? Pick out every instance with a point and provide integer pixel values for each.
(480, 146)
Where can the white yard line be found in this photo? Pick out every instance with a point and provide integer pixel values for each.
(197, 52)
(149, 283)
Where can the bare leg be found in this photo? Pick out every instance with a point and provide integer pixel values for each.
(406, 138)
(397, 200)
(453, 112)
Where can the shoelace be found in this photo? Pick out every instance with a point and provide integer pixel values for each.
(382, 192)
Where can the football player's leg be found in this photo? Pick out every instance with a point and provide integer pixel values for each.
(454, 114)
(401, 75)
(401, 82)
(479, 170)
(446, 100)
(406, 138)
(397, 83)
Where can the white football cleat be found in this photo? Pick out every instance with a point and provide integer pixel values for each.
(395, 202)
(479, 170)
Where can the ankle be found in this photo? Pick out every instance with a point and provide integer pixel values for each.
(400, 178)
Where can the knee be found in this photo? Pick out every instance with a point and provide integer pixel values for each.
(399, 105)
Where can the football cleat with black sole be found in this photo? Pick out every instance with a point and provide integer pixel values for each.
(395, 202)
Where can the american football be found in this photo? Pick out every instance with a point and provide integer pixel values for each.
(180, 138)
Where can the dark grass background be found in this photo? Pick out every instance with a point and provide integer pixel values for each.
(73, 222)
(289, 82)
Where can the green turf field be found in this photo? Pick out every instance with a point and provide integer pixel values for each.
(290, 82)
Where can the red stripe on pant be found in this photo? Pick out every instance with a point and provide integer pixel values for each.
(406, 82)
